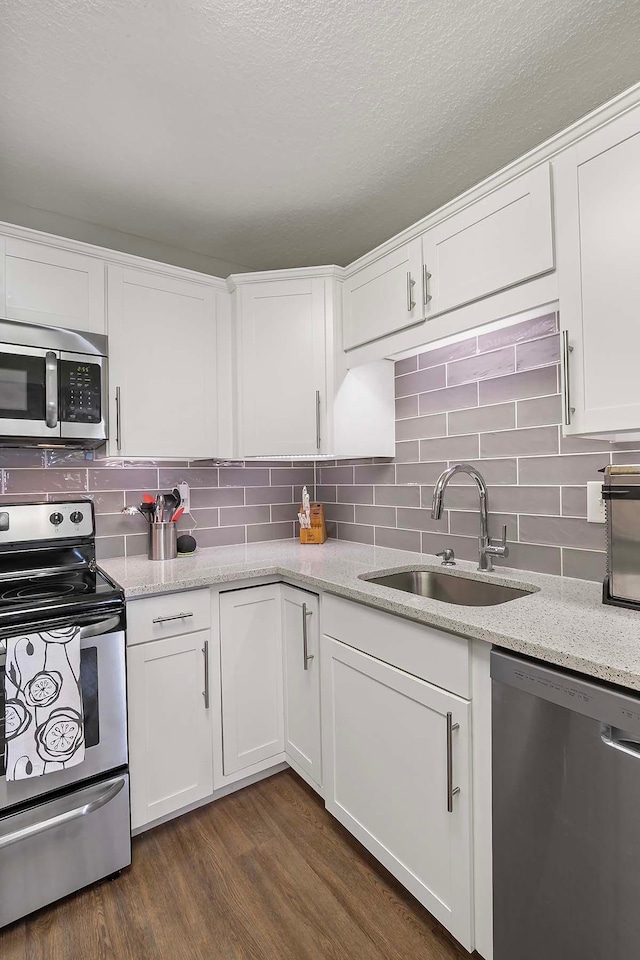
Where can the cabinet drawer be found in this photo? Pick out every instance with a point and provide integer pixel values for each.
(154, 618)
(433, 655)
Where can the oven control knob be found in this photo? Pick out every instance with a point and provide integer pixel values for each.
(56, 519)
(76, 517)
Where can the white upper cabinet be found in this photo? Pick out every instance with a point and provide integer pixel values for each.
(500, 240)
(281, 368)
(385, 296)
(48, 285)
(163, 384)
(293, 396)
(598, 229)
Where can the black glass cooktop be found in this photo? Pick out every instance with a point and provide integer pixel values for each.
(71, 585)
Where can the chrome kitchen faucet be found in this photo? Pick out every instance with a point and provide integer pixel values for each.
(486, 548)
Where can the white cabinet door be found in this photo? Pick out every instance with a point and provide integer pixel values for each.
(170, 727)
(52, 286)
(501, 240)
(301, 654)
(162, 343)
(386, 777)
(598, 226)
(281, 367)
(251, 666)
(384, 297)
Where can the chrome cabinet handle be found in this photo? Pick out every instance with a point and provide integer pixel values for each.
(410, 285)
(567, 349)
(93, 802)
(426, 276)
(51, 388)
(118, 421)
(305, 636)
(205, 692)
(451, 790)
(178, 616)
(317, 419)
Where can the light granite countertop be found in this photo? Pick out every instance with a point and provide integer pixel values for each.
(563, 622)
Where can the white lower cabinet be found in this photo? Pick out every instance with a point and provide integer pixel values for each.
(170, 728)
(251, 670)
(301, 663)
(399, 779)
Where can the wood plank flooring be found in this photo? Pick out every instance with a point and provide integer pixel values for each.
(263, 874)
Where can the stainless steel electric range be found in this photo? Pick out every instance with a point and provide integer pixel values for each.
(68, 828)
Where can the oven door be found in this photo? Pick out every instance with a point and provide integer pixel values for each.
(102, 676)
(28, 392)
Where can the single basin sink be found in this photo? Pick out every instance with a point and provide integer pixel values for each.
(449, 588)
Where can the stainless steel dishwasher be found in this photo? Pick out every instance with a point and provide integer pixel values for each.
(566, 814)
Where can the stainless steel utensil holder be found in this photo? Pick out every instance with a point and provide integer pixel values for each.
(162, 541)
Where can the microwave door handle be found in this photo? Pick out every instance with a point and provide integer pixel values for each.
(51, 388)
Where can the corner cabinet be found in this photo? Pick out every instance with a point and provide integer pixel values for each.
(294, 399)
(163, 352)
(301, 665)
(251, 679)
(597, 190)
(498, 241)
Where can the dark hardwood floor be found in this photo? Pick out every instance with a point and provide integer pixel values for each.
(265, 874)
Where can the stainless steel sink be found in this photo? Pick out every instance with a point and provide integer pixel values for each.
(448, 587)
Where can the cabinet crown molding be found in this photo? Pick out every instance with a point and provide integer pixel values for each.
(106, 255)
(297, 273)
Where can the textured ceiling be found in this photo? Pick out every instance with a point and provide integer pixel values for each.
(289, 132)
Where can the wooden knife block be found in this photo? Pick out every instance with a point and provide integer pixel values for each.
(317, 533)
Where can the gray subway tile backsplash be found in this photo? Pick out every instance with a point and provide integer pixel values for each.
(519, 443)
(539, 411)
(518, 386)
(498, 416)
(482, 366)
(420, 382)
(501, 411)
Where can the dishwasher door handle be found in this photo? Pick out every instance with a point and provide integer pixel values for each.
(612, 737)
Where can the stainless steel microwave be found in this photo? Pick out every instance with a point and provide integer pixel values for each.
(53, 386)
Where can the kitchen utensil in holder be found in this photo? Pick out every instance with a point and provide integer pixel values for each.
(317, 532)
(162, 541)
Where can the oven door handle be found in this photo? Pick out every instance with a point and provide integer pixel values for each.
(51, 388)
(96, 629)
(84, 802)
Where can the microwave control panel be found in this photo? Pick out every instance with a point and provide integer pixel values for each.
(80, 392)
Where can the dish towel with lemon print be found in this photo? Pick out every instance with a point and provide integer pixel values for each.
(43, 720)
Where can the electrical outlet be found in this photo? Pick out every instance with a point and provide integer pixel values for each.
(185, 501)
(595, 503)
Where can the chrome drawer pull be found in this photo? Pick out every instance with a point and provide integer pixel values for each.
(305, 636)
(451, 790)
(205, 692)
(178, 616)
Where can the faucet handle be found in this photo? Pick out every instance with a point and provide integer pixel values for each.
(448, 557)
(499, 549)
